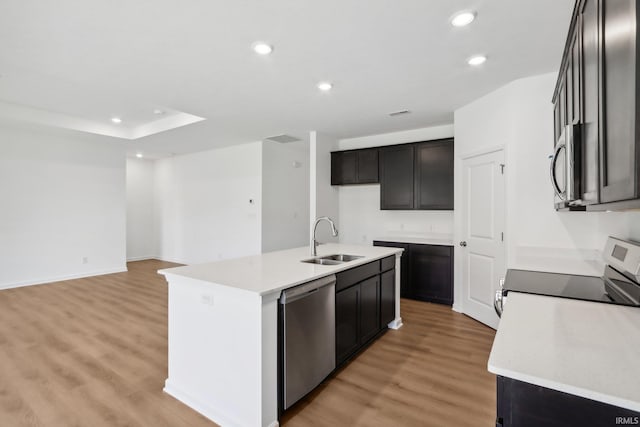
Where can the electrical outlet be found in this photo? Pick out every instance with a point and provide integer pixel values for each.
(207, 299)
(85, 260)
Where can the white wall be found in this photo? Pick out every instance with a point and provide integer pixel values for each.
(519, 117)
(323, 197)
(141, 237)
(361, 219)
(63, 199)
(208, 204)
(285, 195)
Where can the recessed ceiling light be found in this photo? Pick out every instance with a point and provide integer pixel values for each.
(477, 60)
(463, 18)
(139, 155)
(325, 86)
(158, 112)
(116, 120)
(262, 48)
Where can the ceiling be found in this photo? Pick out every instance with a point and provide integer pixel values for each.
(92, 60)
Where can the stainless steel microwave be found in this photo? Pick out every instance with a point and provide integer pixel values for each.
(566, 171)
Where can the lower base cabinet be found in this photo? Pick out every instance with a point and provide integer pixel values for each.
(365, 304)
(387, 297)
(521, 404)
(429, 271)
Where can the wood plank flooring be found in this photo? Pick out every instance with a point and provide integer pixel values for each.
(93, 352)
(430, 372)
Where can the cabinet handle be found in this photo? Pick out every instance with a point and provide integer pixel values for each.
(463, 243)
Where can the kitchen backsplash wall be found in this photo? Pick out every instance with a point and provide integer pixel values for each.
(362, 221)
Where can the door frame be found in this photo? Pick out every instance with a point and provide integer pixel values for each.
(460, 205)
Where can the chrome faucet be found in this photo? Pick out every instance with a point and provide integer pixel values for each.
(314, 242)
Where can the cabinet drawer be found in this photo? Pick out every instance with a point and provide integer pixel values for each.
(388, 263)
(352, 276)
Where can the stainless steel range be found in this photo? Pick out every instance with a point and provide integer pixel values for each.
(620, 283)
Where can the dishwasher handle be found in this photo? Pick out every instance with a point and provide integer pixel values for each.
(293, 294)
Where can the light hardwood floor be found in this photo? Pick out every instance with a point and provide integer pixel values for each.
(93, 352)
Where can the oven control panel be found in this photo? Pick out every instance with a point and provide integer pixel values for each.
(623, 255)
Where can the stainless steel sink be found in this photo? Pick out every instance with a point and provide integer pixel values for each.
(322, 261)
(342, 257)
(332, 259)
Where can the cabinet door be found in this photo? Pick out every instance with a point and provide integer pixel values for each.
(618, 180)
(520, 404)
(574, 72)
(369, 308)
(387, 297)
(396, 177)
(343, 167)
(367, 166)
(590, 101)
(431, 270)
(405, 285)
(556, 121)
(434, 175)
(347, 315)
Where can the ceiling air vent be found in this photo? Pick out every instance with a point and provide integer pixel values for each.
(399, 113)
(283, 139)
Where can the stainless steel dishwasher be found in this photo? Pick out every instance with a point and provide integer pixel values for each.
(308, 344)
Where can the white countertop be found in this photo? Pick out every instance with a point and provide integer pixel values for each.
(583, 348)
(436, 239)
(274, 271)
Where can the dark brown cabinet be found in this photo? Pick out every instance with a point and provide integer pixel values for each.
(387, 297)
(354, 167)
(347, 315)
(434, 175)
(520, 404)
(369, 308)
(429, 272)
(589, 93)
(620, 151)
(417, 176)
(597, 88)
(396, 177)
(365, 304)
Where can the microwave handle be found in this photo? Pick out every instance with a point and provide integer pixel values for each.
(552, 169)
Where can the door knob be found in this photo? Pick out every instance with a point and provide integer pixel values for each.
(463, 243)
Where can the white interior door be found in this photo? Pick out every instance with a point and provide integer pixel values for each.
(483, 253)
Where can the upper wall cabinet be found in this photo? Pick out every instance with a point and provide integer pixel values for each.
(434, 175)
(417, 176)
(354, 167)
(396, 177)
(597, 89)
(411, 176)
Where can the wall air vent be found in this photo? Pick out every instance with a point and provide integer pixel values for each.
(399, 113)
(283, 139)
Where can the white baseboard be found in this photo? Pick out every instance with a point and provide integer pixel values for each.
(198, 405)
(173, 260)
(141, 258)
(395, 323)
(42, 281)
(457, 308)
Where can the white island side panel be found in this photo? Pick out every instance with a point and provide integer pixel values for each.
(216, 355)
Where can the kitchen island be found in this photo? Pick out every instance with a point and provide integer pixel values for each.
(223, 323)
